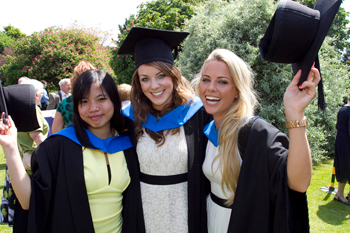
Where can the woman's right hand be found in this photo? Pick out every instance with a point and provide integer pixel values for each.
(8, 132)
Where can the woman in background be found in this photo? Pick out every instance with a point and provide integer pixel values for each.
(342, 152)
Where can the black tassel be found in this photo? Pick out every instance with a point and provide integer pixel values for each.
(321, 101)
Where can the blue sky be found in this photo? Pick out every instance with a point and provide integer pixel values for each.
(36, 15)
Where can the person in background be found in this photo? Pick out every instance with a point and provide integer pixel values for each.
(45, 98)
(27, 142)
(257, 185)
(82, 175)
(64, 112)
(166, 119)
(22, 79)
(64, 92)
(342, 152)
(124, 92)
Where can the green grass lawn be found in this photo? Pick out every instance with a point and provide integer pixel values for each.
(3, 228)
(326, 215)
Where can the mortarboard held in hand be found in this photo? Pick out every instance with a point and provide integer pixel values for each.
(148, 45)
(295, 35)
(18, 101)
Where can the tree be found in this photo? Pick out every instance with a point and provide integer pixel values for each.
(13, 32)
(5, 41)
(3, 59)
(159, 14)
(239, 26)
(53, 53)
(339, 29)
(9, 36)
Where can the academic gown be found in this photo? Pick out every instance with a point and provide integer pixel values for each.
(59, 201)
(263, 202)
(198, 185)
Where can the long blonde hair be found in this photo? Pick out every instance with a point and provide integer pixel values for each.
(142, 106)
(236, 117)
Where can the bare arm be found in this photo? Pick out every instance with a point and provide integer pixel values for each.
(19, 178)
(299, 164)
(58, 122)
(37, 136)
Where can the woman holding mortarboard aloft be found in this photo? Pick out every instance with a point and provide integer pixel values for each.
(167, 122)
(259, 176)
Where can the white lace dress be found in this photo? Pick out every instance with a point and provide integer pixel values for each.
(164, 206)
(218, 217)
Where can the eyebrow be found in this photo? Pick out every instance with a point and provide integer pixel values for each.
(220, 77)
(102, 94)
(160, 72)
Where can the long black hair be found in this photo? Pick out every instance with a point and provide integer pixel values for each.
(81, 89)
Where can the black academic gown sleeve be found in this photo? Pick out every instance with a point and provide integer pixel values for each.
(198, 185)
(59, 201)
(263, 201)
(132, 205)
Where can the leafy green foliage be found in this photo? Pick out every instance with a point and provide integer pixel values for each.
(13, 32)
(239, 26)
(159, 14)
(5, 41)
(339, 29)
(52, 54)
(9, 36)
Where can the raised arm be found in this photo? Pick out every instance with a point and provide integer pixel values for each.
(19, 178)
(299, 164)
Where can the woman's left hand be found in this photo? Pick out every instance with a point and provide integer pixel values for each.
(296, 100)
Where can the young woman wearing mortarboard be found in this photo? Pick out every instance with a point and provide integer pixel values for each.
(167, 121)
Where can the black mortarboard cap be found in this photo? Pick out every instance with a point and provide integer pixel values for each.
(148, 44)
(295, 35)
(18, 101)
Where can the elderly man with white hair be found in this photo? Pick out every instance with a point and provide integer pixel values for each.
(56, 98)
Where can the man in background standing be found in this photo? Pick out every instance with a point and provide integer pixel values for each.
(64, 92)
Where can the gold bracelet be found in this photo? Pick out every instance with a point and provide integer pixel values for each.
(296, 124)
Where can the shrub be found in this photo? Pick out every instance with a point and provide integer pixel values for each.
(53, 53)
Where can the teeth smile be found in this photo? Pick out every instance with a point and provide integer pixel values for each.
(212, 98)
(157, 93)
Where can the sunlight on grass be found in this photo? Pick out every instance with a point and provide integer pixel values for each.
(4, 228)
(326, 215)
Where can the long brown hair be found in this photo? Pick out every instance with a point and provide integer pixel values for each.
(142, 106)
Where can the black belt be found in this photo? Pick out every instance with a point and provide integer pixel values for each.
(163, 180)
(219, 201)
